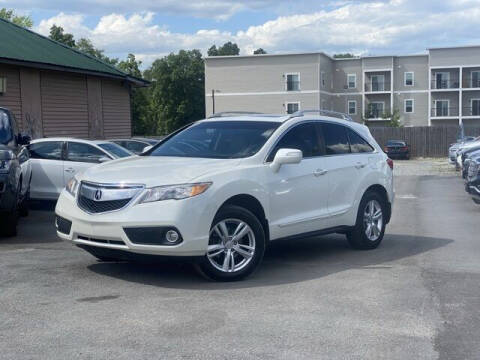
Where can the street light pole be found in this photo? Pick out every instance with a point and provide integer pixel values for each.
(213, 101)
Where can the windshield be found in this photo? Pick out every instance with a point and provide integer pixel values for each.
(115, 150)
(5, 128)
(218, 140)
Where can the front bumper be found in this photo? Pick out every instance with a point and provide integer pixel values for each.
(192, 217)
(473, 188)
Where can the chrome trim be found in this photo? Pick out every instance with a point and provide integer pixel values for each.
(112, 189)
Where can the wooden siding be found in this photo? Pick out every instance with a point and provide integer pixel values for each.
(12, 99)
(64, 105)
(116, 110)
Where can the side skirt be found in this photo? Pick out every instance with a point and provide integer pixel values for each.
(332, 230)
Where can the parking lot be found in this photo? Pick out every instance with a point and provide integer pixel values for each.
(415, 297)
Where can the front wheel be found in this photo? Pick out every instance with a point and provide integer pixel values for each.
(235, 247)
(370, 225)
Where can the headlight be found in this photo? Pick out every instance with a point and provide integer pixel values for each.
(72, 186)
(5, 165)
(176, 192)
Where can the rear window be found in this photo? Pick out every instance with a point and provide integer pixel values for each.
(396, 143)
(6, 133)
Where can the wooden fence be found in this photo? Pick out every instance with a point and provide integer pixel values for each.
(424, 141)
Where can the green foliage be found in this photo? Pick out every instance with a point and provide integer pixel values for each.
(23, 21)
(131, 66)
(176, 96)
(228, 48)
(393, 118)
(86, 46)
(57, 33)
(259, 51)
(344, 56)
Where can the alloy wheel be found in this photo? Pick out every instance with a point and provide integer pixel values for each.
(231, 245)
(373, 220)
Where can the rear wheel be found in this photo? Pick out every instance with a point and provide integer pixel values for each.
(10, 220)
(476, 201)
(236, 245)
(25, 204)
(371, 221)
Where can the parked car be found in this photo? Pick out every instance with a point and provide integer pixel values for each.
(397, 149)
(452, 150)
(15, 173)
(220, 189)
(466, 158)
(472, 185)
(135, 145)
(56, 160)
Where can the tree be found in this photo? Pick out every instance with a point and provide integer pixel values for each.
(57, 33)
(23, 21)
(226, 49)
(393, 118)
(177, 94)
(344, 56)
(131, 66)
(86, 46)
(259, 51)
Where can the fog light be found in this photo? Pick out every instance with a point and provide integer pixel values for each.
(171, 236)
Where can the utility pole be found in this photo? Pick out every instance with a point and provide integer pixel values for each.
(213, 101)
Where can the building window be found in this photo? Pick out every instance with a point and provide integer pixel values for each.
(292, 82)
(475, 107)
(352, 107)
(375, 110)
(409, 105)
(442, 107)
(377, 82)
(322, 78)
(409, 78)
(442, 80)
(352, 81)
(292, 107)
(475, 79)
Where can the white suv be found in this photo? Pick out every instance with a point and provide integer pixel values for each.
(221, 189)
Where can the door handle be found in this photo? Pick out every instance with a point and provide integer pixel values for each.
(359, 165)
(70, 170)
(319, 172)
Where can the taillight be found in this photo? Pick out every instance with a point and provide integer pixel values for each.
(404, 148)
(385, 149)
(390, 163)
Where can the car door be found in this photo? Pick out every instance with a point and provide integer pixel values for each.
(26, 166)
(47, 169)
(79, 157)
(341, 166)
(297, 191)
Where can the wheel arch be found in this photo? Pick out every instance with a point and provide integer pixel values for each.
(380, 189)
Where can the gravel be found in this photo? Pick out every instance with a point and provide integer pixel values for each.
(424, 167)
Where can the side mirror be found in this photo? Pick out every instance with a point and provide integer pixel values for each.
(146, 148)
(23, 139)
(286, 156)
(104, 159)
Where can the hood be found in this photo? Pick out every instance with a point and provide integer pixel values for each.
(156, 170)
(6, 153)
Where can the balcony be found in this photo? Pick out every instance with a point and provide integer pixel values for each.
(371, 87)
(471, 83)
(444, 84)
(375, 114)
(444, 112)
(471, 111)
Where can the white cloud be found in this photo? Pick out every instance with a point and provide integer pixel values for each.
(395, 26)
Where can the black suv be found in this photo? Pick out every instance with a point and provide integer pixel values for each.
(472, 180)
(15, 174)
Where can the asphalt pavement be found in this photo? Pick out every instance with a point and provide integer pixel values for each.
(415, 297)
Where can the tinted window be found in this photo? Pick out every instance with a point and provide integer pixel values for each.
(84, 153)
(6, 134)
(395, 143)
(218, 139)
(135, 146)
(115, 150)
(336, 140)
(302, 137)
(51, 150)
(357, 144)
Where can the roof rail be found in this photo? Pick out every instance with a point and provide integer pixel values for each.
(233, 113)
(330, 113)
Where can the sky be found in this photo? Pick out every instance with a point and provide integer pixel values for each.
(152, 29)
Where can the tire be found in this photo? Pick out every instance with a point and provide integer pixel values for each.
(10, 220)
(357, 237)
(476, 201)
(246, 251)
(24, 207)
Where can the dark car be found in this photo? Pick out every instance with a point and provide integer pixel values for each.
(397, 149)
(15, 174)
(135, 145)
(467, 157)
(472, 184)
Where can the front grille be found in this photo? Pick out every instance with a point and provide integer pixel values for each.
(93, 206)
(101, 241)
(472, 170)
(63, 225)
(101, 198)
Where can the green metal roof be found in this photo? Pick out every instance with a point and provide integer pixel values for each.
(22, 45)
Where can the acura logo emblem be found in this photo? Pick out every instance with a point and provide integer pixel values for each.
(98, 195)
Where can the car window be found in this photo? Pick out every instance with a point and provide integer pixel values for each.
(49, 150)
(84, 153)
(357, 143)
(115, 150)
(213, 139)
(303, 137)
(6, 133)
(336, 140)
(135, 146)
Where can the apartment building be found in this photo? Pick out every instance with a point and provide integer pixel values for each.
(440, 87)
